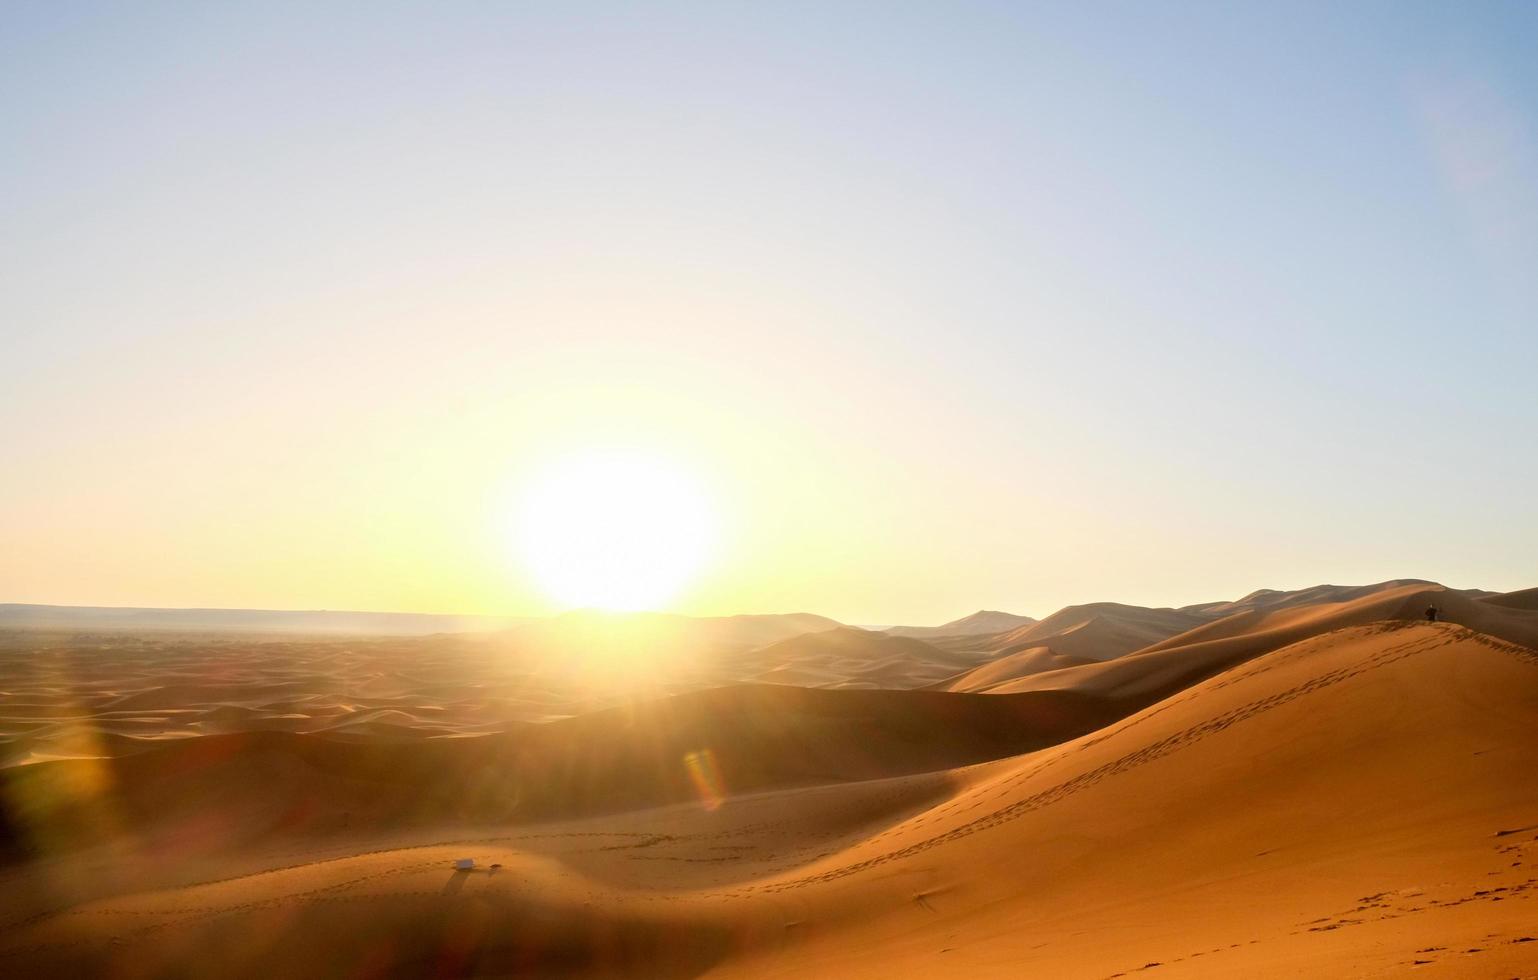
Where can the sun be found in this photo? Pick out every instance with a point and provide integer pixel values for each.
(614, 529)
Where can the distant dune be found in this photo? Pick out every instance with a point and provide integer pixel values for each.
(982, 621)
(1271, 599)
(101, 692)
(847, 657)
(313, 622)
(1523, 599)
(1099, 631)
(657, 637)
(1316, 783)
(1227, 642)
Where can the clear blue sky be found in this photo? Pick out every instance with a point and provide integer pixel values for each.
(956, 305)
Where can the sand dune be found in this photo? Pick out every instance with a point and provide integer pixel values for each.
(1521, 599)
(1343, 809)
(1100, 630)
(1165, 667)
(1324, 784)
(848, 657)
(1273, 599)
(998, 674)
(75, 695)
(1329, 607)
(658, 634)
(1092, 632)
(984, 621)
(711, 744)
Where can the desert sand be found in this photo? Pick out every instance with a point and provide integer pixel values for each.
(1312, 783)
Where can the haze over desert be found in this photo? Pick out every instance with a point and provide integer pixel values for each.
(976, 490)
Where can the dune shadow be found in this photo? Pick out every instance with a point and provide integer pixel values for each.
(747, 836)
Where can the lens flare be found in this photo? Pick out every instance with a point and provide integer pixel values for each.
(705, 774)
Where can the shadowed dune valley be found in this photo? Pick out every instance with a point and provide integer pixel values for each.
(1325, 782)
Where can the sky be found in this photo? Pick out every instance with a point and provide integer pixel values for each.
(942, 306)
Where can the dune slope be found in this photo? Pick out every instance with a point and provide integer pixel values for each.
(244, 787)
(999, 674)
(1347, 807)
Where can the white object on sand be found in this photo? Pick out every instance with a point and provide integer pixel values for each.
(464, 864)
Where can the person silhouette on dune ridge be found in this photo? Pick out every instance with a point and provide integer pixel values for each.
(1431, 614)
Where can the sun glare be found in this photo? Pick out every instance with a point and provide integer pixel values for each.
(617, 529)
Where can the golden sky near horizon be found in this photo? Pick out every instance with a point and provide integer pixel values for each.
(414, 503)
